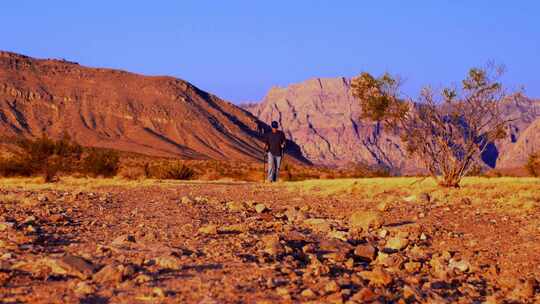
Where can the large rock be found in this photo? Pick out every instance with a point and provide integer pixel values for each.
(397, 243)
(123, 240)
(365, 220)
(83, 288)
(335, 250)
(109, 274)
(260, 208)
(460, 265)
(272, 245)
(366, 252)
(209, 229)
(318, 224)
(235, 206)
(69, 265)
(376, 277)
(168, 262)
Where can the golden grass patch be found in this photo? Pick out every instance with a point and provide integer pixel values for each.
(87, 183)
(505, 193)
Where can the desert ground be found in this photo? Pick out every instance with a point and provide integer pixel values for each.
(378, 240)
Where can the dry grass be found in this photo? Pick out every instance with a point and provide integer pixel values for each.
(208, 170)
(16, 199)
(505, 193)
(70, 183)
(87, 183)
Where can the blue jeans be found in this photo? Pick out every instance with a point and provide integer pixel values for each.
(274, 162)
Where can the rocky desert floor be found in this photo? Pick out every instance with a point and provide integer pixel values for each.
(386, 240)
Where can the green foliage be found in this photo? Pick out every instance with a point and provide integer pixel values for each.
(447, 132)
(101, 163)
(370, 91)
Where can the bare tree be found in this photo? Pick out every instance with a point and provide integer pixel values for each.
(447, 132)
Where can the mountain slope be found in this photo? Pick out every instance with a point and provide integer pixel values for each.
(527, 143)
(323, 118)
(160, 116)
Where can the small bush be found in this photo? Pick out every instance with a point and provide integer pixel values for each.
(174, 170)
(533, 164)
(15, 167)
(476, 170)
(43, 156)
(43, 148)
(101, 163)
(51, 170)
(133, 173)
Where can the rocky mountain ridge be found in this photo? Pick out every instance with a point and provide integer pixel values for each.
(158, 115)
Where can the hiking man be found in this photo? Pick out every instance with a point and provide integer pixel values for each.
(274, 147)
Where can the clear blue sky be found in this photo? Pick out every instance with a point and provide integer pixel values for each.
(239, 49)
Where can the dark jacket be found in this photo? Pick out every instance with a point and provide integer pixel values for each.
(274, 142)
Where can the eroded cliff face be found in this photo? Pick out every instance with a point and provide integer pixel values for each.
(513, 151)
(160, 116)
(517, 153)
(322, 116)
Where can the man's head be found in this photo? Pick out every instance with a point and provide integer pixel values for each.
(274, 125)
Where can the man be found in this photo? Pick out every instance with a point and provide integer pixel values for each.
(274, 147)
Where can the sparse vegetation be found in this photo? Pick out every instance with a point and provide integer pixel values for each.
(447, 132)
(138, 167)
(508, 194)
(171, 170)
(49, 158)
(132, 173)
(533, 164)
(101, 163)
(354, 224)
(43, 156)
(14, 167)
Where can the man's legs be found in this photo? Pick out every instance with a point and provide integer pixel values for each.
(278, 165)
(271, 168)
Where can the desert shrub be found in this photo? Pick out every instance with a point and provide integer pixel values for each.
(361, 170)
(41, 149)
(43, 156)
(15, 167)
(476, 170)
(447, 131)
(492, 173)
(53, 166)
(533, 164)
(146, 169)
(378, 172)
(171, 170)
(287, 172)
(133, 173)
(101, 163)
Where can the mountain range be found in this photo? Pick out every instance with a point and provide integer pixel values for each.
(169, 117)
